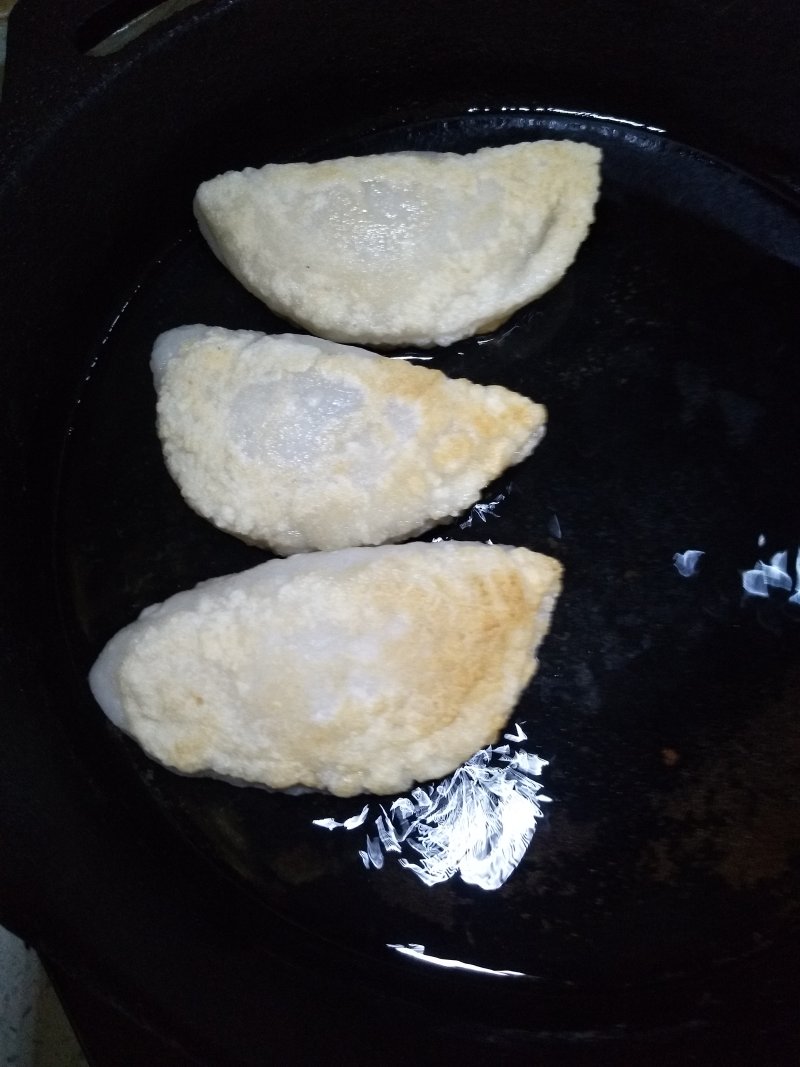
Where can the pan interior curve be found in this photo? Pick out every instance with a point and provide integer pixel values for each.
(665, 704)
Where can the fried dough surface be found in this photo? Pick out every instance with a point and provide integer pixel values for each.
(361, 670)
(405, 248)
(296, 443)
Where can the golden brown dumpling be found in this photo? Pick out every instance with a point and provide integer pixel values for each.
(362, 670)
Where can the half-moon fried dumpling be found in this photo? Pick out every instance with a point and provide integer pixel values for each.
(296, 443)
(354, 671)
(407, 248)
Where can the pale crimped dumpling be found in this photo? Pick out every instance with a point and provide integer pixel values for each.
(297, 444)
(406, 248)
(362, 670)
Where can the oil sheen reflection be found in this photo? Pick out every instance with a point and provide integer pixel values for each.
(477, 823)
(418, 952)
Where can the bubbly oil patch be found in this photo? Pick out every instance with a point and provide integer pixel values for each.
(686, 562)
(758, 580)
(477, 823)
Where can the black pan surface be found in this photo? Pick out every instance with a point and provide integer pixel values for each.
(665, 873)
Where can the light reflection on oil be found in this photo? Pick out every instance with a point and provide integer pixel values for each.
(577, 114)
(477, 823)
(773, 575)
(418, 952)
(686, 562)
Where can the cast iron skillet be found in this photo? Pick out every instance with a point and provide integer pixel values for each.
(656, 912)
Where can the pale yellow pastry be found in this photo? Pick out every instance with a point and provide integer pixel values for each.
(362, 670)
(406, 248)
(295, 443)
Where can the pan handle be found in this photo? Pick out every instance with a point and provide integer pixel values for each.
(58, 52)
